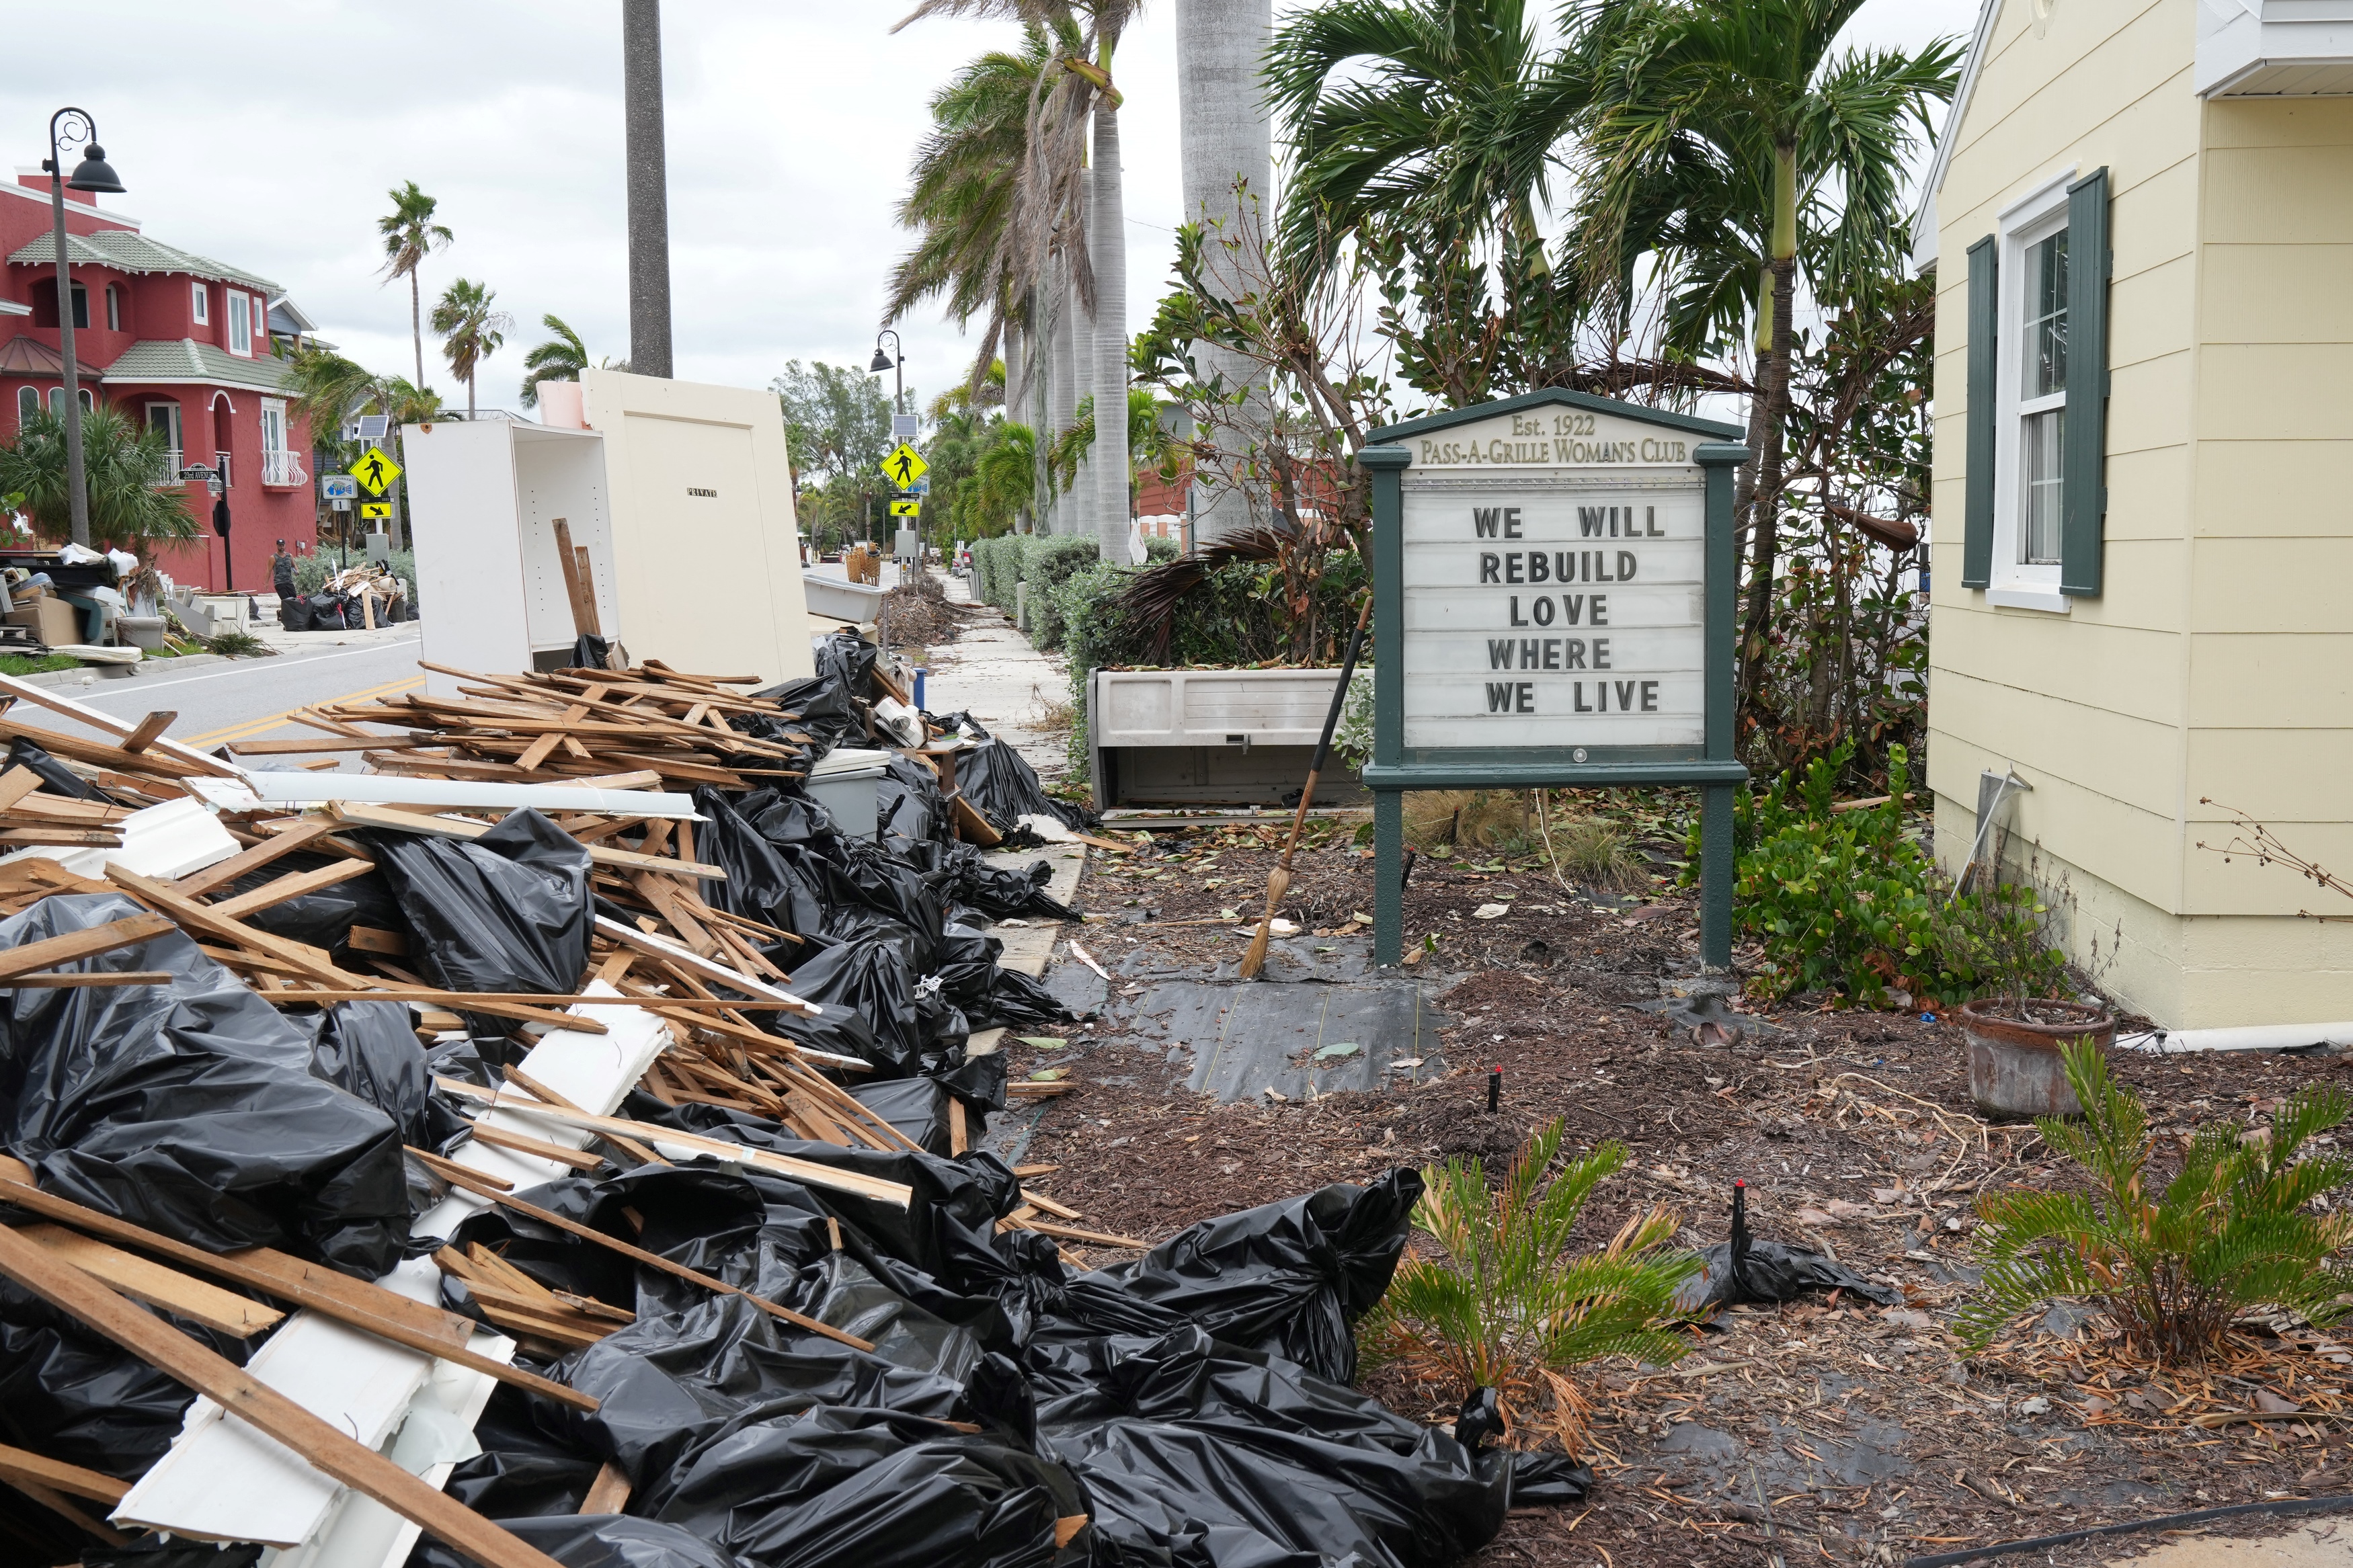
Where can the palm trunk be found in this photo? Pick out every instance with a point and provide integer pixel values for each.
(469, 397)
(417, 325)
(1107, 245)
(1764, 513)
(1225, 136)
(1062, 390)
(1078, 502)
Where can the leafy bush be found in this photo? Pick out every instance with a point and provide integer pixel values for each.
(1848, 901)
(1506, 1311)
(1157, 550)
(2233, 1231)
(1050, 560)
(996, 565)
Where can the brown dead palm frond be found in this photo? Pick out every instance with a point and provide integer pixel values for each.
(1152, 601)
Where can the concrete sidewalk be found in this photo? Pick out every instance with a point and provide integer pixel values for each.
(993, 673)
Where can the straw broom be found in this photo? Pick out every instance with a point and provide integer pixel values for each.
(1278, 881)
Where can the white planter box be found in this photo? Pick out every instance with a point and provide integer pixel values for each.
(1210, 737)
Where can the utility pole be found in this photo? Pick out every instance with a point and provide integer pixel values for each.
(68, 127)
(642, 83)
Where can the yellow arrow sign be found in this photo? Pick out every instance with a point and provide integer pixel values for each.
(375, 509)
(906, 509)
(375, 471)
(904, 466)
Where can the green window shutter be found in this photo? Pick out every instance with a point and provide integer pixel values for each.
(1977, 496)
(2084, 489)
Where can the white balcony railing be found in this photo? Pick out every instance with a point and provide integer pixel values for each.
(220, 466)
(283, 469)
(170, 473)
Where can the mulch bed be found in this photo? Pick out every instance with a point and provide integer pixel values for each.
(1869, 1436)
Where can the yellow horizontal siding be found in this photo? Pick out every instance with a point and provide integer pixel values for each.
(2272, 681)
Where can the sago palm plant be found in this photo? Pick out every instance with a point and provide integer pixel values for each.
(1510, 1310)
(2234, 1230)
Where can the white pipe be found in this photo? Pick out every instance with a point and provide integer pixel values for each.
(265, 788)
(2249, 1037)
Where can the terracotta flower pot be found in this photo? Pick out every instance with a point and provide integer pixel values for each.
(2015, 1068)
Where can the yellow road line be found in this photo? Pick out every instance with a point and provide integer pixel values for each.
(252, 728)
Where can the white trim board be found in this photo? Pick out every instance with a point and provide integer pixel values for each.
(1924, 221)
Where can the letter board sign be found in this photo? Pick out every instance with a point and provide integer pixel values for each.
(1553, 606)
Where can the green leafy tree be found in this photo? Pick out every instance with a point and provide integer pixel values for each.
(330, 391)
(132, 504)
(409, 236)
(2237, 1228)
(1509, 1308)
(838, 426)
(471, 331)
(563, 357)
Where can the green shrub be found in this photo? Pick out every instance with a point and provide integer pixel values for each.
(2233, 1230)
(1848, 901)
(1050, 560)
(1507, 1310)
(1157, 550)
(990, 581)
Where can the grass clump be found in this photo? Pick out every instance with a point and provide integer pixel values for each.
(1509, 1309)
(237, 645)
(2173, 1268)
(36, 663)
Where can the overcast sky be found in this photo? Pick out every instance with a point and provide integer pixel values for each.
(266, 136)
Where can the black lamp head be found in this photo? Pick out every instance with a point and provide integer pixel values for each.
(882, 361)
(95, 173)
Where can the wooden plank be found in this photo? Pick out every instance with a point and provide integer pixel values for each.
(17, 1465)
(190, 914)
(1072, 1232)
(16, 784)
(368, 939)
(385, 817)
(334, 744)
(59, 836)
(608, 1493)
(302, 832)
(546, 1150)
(321, 1445)
(538, 1090)
(589, 590)
(282, 890)
(958, 1139)
(655, 1261)
(970, 825)
(540, 750)
(384, 1313)
(120, 729)
(143, 1279)
(74, 980)
(143, 734)
(50, 952)
(569, 564)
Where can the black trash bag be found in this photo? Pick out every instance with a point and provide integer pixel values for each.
(72, 1394)
(55, 776)
(790, 816)
(846, 660)
(322, 919)
(872, 1488)
(874, 979)
(162, 1552)
(998, 891)
(872, 878)
(327, 613)
(293, 613)
(964, 961)
(760, 885)
(507, 911)
(908, 807)
(1015, 1001)
(1549, 1480)
(824, 713)
(978, 1081)
(833, 1027)
(590, 651)
(370, 1049)
(594, 1541)
(917, 1107)
(1004, 788)
(1746, 1269)
(1196, 1453)
(1286, 1277)
(190, 1108)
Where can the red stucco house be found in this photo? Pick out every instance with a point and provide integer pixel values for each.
(174, 340)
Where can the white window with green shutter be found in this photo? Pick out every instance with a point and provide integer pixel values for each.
(2036, 496)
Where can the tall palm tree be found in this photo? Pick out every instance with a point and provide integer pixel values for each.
(563, 357)
(409, 236)
(1742, 108)
(471, 331)
(328, 390)
(1068, 198)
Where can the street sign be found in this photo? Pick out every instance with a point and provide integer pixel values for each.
(906, 509)
(904, 466)
(338, 487)
(920, 488)
(906, 426)
(1553, 607)
(375, 471)
(375, 509)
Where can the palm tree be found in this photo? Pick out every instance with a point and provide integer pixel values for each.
(471, 331)
(329, 390)
(1068, 198)
(409, 236)
(561, 358)
(1741, 108)
(123, 467)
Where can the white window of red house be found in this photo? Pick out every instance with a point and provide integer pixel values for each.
(240, 324)
(202, 303)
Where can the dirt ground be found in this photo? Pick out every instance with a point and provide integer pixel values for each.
(1827, 1428)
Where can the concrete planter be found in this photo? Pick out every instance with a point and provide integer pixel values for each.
(2014, 1065)
(1211, 738)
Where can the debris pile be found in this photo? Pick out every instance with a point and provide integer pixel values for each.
(357, 598)
(561, 1143)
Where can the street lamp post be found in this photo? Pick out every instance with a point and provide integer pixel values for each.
(70, 127)
(896, 361)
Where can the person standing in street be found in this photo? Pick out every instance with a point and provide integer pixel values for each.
(282, 576)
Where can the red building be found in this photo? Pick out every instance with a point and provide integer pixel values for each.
(174, 340)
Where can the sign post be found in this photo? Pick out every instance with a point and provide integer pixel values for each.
(1554, 606)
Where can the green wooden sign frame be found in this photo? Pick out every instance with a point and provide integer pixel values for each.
(1712, 766)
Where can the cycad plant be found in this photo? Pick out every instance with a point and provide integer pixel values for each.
(2234, 1230)
(1509, 1309)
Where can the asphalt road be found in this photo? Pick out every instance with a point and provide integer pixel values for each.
(248, 700)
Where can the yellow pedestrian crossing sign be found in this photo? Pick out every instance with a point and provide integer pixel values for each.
(375, 509)
(906, 509)
(375, 471)
(902, 467)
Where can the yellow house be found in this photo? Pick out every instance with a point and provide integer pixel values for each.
(2141, 222)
